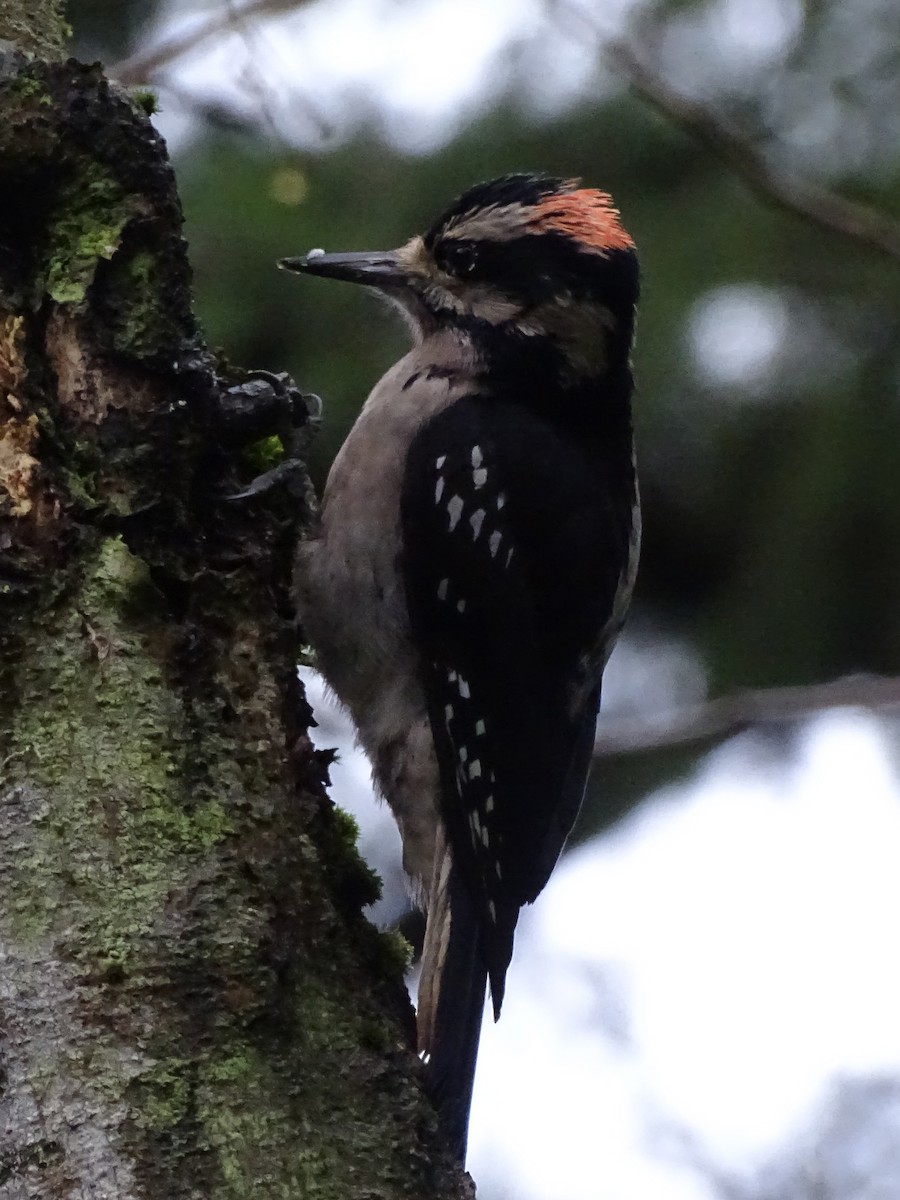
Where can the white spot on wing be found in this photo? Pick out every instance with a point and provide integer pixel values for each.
(439, 462)
(479, 477)
(501, 500)
(463, 688)
(489, 802)
(439, 490)
(492, 909)
(463, 754)
(475, 521)
(477, 456)
(479, 728)
(454, 509)
(448, 712)
(475, 769)
(442, 589)
(494, 542)
(485, 837)
(461, 606)
(509, 555)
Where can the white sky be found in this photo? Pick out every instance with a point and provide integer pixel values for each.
(745, 919)
(708, 967)
(421, 69)
(424, 67)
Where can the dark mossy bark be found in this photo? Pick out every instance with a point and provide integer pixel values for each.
(191, 1003)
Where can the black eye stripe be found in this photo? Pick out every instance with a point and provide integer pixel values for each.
(456, 256)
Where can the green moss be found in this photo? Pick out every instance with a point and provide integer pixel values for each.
(265, 454)
(146, 100)
(162, 1095)
(117, 572)
(90, 213)
(347, 827)
(99, 733)
(396, 952)
(26, 87)
(356, 884)
(140, 317)
(246, 1113)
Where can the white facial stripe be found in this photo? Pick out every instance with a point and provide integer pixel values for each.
(473, 300)
(499, 223)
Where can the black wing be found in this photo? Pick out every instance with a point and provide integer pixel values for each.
(515, 539)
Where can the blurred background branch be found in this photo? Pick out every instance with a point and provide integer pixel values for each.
(143, 66)
(729, 715)
(794, 194)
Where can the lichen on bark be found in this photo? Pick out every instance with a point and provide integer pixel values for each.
(192, 1002)
(38, 26)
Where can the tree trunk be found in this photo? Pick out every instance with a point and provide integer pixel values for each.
(191, 1003)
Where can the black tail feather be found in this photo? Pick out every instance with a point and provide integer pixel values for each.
(450, 1070)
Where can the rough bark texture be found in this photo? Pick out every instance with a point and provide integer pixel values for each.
(37, 26)
(191, 1004)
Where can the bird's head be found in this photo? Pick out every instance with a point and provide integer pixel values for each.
(522, 257)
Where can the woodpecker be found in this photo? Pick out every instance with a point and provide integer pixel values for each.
(473, 564)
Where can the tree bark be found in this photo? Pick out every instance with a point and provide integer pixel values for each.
(191, 1002)
(37, 26)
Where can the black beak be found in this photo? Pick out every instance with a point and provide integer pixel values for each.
(377, 268)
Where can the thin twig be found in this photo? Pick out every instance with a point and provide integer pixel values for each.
(858, 222)
(732, 714)
(143, 66)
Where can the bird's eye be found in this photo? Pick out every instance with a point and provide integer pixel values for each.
(457, 257)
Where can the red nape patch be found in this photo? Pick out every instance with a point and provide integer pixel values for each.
(587, 215)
